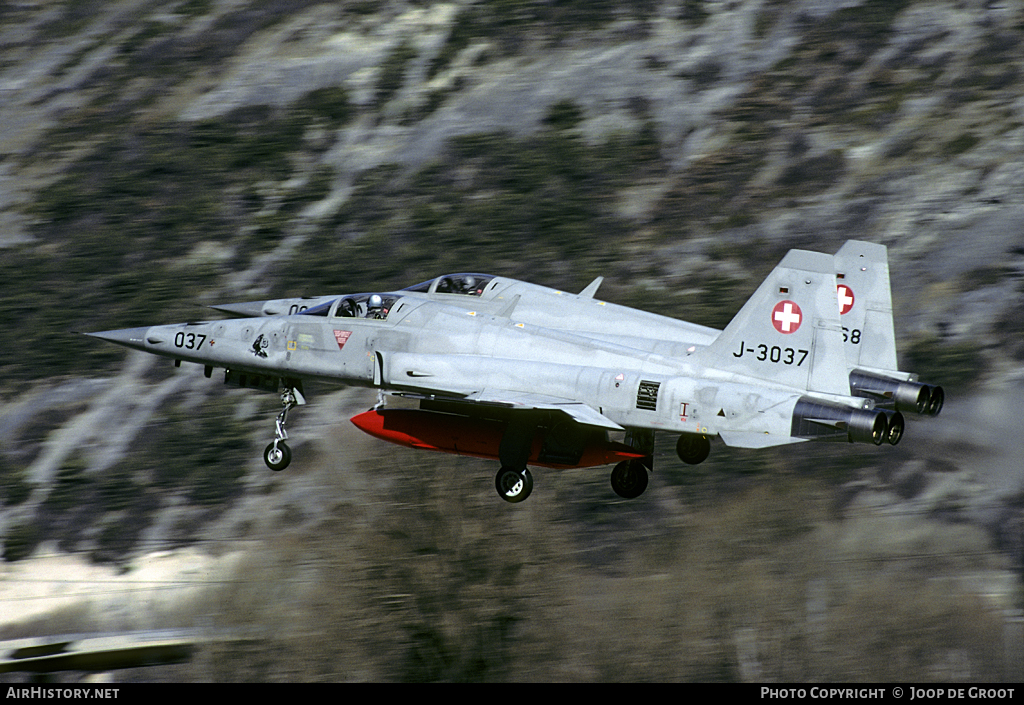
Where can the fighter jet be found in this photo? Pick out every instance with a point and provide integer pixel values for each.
(526, 375)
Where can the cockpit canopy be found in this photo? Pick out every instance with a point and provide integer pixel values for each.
(465, 284)
(376, 306)
(373, 306)
(379, 305)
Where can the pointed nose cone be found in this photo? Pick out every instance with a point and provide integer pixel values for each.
(128, 337)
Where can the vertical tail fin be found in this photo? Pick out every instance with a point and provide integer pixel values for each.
(789, 331)
(865, 305)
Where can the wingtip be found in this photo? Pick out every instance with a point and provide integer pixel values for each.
(247, 309)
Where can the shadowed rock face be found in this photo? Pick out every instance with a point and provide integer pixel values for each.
(158, 157)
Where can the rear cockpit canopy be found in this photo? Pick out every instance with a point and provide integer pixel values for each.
(465, 284)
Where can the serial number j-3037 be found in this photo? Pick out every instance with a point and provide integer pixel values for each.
(772, 353)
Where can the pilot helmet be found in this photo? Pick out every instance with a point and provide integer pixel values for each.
(376, 302)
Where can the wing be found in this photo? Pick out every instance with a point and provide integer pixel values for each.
(491, 383)
(579, 412)
(521, 401)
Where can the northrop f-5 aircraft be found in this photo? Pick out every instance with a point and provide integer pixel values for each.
(528, 375)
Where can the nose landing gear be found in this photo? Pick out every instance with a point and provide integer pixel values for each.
(278, 455)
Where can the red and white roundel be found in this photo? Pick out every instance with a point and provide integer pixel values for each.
(786, 317)
(845, 295)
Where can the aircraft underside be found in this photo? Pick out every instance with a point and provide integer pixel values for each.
(544, 439)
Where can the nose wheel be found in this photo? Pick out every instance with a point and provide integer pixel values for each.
(278, 455)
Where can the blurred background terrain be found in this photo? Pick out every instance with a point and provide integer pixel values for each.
(158, 156)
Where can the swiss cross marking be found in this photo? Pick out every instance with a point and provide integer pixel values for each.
(786, 317)
(845, 295)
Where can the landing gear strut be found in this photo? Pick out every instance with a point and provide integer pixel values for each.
(513, 485)
(513, 481)
(278, 455)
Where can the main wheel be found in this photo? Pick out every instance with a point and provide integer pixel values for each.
(512, 485)
(277, 456)
(629, 479)
(692, 448)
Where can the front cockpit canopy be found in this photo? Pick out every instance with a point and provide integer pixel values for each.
(369, 305)
(373, 306)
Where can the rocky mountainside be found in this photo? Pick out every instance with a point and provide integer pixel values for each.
(158, 156)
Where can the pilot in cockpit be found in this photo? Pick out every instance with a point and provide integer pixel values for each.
(375, 307)
(462, 284)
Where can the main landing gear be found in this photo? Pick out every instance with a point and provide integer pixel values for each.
(278, 455)
(513, 485)
(629, 479)
(514, 481)
(693, 448)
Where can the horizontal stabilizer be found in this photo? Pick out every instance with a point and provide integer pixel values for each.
(839, 424)
(250, 309)
(751, 439)
(273, 307)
